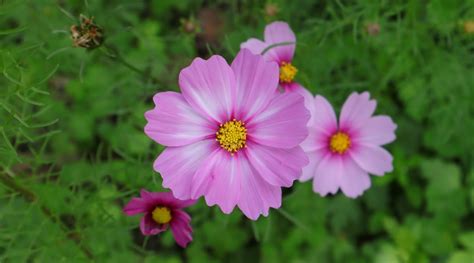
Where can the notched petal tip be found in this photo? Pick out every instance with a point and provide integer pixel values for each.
(255, 215)
(226, 209)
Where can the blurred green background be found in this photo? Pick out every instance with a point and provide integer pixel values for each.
(73, 151)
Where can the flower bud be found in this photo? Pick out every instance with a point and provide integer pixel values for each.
(373, 29)
(271, 9)
(190, 25)
(87, 34)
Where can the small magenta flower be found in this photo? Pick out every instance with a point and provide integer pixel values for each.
(160, 211)
(342, 154)
(230, 137)
(279, 46)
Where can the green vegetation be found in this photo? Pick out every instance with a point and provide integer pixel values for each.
(73, 151)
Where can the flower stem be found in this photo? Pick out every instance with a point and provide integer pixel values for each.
(12, 184)
(292, 219)
(113, 54)
(276, 45)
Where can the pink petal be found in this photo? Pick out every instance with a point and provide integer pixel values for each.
(255, 46)
(165, 199)
(174, 123)
(150, 227)
(378, 130)
(315, 157)
(356, 111)
(373, 159)
(297, 87)
(328, 175)
(354, 180)
(279, 167)
(286, 87)
(324, 119)
(282, 124)
(181, 228)
(256, 82)
(257, 196)
(205, 174)
(177, 166)
(209, 87)
(136, 206)
(185, 203)
(280, 32)
(157, 198)
(316, 140)
(321, 124)
(309, 99)
(225, 188)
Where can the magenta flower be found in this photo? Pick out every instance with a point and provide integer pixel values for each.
(278, 33)
(342, 155)
(230, 137)
(161, 210)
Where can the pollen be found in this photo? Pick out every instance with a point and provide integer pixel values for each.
(161, 215)
(340, 142)
(232, 135)
(287, 72)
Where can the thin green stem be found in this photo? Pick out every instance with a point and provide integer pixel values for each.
(116, 56)
(292, 219)
(130, 66)
(12, 184)
(276, 45)
(255, 231)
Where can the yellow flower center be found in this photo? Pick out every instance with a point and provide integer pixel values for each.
(161, 215)
(232, 135)
(287, 72)
(340, 142)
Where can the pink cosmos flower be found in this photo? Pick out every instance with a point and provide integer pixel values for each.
(278, 33)
(161, 210)
(342, 154)
(230, 138)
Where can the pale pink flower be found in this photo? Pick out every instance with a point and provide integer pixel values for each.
(279, 46)
(230, 138)
(343, 153)
(160, 211)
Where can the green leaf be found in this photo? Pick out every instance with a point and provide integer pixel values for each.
(444, 194)
(467, 240)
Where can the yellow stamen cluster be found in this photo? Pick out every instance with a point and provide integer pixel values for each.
(340, 142)
(232, 135)
(287, 72)
(161, 215)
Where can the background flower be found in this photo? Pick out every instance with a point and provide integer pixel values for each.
(279, 45)
(342, 154)
(160, 211)
(229, 137)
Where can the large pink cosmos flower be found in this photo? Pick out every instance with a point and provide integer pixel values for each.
(278, 33)
(160, 211)
(230, 137)
(342, 154)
